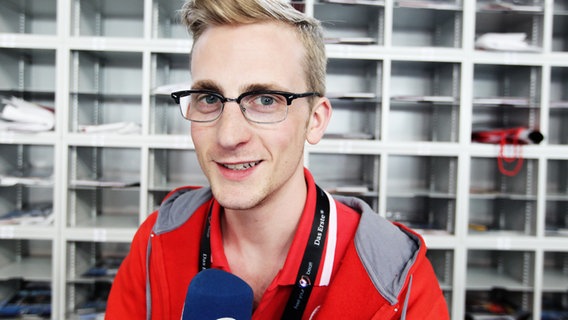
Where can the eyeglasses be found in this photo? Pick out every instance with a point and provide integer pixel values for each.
(264, 106)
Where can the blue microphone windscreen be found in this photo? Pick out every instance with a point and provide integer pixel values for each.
(215, 294)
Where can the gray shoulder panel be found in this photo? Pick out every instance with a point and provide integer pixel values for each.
(386, 251)
(179, 207)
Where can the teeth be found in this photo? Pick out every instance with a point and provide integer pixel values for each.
(240, 166)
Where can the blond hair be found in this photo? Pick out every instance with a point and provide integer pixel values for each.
(198, 15)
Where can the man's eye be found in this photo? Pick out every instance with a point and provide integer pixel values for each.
(210, 99)
(266, 100)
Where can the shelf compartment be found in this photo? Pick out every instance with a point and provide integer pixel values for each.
(506, 96)
(28, 73)
(166, 20)
(106, 72)
(30, 260)
(421, 192)
(353, 87)
(436, 82)
(556, 218)
(555, 275)
(554, 305)
(354, 78)
(424, 214)
(427, 27)
(430, 122)
(91, 267)
(170, 72)
(558, 118)
(22, 299)
(558, 126)
(422, 175)
(104, 187)
(502, 217)
(88, 262)
(356, 118)
(351, 23)
(96, 110)
(557, 198)
(507, 269)
(555, 283)
(24, 160)
(527, 19)
(507, 85)
(171, 169)
(107, 18)
(559, 26)
(424, 96)
(26, 184)
(443, 263)
(502, 204)
(487, 181)
(557, 179)
(499, 303)
(107, 88)
(359, 175)
(38, 17)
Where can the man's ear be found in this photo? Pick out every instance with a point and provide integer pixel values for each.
(319, 119)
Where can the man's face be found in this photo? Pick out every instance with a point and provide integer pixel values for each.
(247, 163)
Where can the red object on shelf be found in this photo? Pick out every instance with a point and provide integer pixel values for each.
(514, 136)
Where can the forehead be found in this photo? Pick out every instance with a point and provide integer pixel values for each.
(241, 55)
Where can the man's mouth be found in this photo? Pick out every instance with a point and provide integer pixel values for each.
(240, 166)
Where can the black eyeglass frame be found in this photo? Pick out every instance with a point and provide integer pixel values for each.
(289, 96)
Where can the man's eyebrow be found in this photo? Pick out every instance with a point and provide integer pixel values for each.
(213, 86)
(206, 85)
(262, 86)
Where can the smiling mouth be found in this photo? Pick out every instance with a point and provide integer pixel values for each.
(241, 166)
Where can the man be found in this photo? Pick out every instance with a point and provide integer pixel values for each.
(258, 72)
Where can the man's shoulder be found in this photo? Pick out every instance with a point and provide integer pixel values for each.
(385, 250)
(179, 206)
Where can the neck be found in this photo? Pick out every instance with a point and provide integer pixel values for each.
(268, 228)
(256, 241)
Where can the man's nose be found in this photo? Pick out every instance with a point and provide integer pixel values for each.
(233, 129)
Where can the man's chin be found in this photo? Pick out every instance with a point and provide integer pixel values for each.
(235, 199)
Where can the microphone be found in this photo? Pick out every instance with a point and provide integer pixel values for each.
(214, 294)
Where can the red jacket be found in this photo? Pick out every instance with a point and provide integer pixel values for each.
(384, 273)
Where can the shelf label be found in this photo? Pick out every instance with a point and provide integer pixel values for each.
(100, 235)
(8, 40)
(504, 243)
(182, 142)
(511, 58)
(183, 46)
(7, 232)
(424, 150)
(7, 137)
(98, 140)
(99, 44)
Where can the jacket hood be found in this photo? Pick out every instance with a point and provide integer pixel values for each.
(378, 240)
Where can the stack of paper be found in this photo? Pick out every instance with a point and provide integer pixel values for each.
(116, 127)
(504, 42)
(21, 115)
